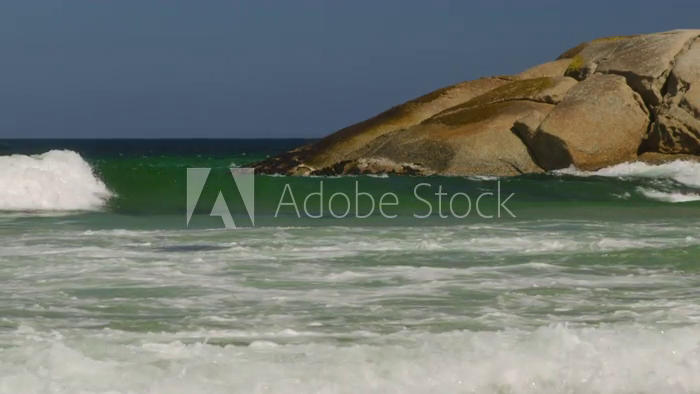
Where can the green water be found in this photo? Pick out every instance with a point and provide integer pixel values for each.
(591, 286)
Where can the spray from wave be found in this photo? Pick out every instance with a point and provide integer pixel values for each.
(685, 173)
(58, 180)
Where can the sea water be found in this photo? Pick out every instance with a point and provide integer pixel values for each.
(593, 286)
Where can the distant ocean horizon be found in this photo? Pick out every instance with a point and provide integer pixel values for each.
(592, 284)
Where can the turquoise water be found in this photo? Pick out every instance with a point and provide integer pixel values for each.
(591, 288)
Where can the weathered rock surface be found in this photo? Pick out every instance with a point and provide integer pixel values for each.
(475, 140)
(600, 122)
(644, 60)
(342, 145)
(600, 103)
(542, 90)
(677, 127)
(556, 68)
(373, 165)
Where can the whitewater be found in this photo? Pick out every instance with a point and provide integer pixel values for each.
(665, 175)
(57, 180)
(593, 288)
(520, 309)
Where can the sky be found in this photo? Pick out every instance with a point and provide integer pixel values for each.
(273, 68)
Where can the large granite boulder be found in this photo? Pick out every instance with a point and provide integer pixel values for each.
(600, 103)
(600, 122)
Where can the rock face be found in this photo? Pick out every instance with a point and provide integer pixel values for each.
(644, 60)
(600, 122)
(677, 127)
(601, 103)
(474, 140)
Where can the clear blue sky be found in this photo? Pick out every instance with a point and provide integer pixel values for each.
(256, 68)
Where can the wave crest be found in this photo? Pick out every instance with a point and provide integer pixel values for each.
(685, 172)
(58, 180)
(669, 196)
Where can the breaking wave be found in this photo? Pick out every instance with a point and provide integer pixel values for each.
(685, 173)
(669, 196)
(58, 180)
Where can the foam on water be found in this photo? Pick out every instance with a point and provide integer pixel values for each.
(669, 197)
(685, 172)
(294, 244)
(57, 180)
(554, 359)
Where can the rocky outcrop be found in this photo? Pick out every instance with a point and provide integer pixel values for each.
(342, 145)
(677, 127)
(600, 103)
(473, 137)
(600, 122)
(644, 60)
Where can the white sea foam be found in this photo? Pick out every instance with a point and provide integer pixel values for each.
(557, 359)
(685, 172)
(352, 310)
(57, 180)
(483, 178)
(669, 196)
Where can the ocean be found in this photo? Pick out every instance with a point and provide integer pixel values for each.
(116, 278)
